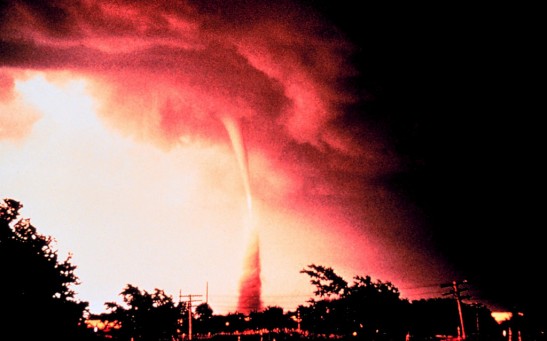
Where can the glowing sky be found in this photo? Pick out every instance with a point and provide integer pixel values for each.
(112, 137)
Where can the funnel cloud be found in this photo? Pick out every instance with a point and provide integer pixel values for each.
(275, 80)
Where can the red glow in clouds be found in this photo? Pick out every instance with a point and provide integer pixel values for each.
(173, 89)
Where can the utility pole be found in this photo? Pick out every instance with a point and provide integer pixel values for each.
(477, 307)
(298, 320)
(189, 305)
(456, 293)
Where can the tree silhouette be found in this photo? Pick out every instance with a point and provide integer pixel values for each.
(374, 310)
(204, 312)
(145, 316)
(439, 316)
(274, 318)
(38, 299)
(203, 319)
(326, 281)
(366, 308)
(39, 303)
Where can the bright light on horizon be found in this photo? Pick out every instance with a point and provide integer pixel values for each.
(501, 316)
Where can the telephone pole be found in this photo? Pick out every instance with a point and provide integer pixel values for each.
(189, 305)
(456, 293)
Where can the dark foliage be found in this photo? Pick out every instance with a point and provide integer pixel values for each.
(38, 301)
(374, 310)
(145, 316)
(365, 309)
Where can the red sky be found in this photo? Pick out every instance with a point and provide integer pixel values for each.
(112, 136)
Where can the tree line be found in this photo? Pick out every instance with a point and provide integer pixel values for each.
(40, 303)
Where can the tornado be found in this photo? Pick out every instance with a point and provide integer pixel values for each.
(161, 72)
(250, 284)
